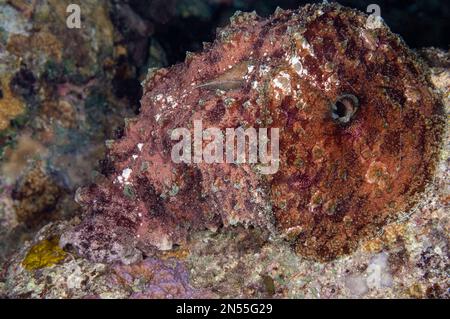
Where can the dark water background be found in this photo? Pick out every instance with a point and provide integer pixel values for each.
(182, 25)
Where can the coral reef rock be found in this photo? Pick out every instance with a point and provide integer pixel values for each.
(58, 103)
(360, 129)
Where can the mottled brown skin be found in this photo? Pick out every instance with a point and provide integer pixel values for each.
(338, 181)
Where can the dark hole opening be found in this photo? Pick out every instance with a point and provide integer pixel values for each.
(69, 248)
(341, 109)
(344, 108)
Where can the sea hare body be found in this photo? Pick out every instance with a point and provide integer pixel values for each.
(359, 128)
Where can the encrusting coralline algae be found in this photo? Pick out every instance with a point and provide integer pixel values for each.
(359, 133)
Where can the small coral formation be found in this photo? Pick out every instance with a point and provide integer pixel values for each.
(36, 196)
(359, 133)
(44, 254)
(10, 106)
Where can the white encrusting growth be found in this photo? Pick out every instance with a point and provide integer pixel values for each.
(123, 179)
(297, 66)
(282, 82)
(263, 70)
(126, 173)
(250, 69)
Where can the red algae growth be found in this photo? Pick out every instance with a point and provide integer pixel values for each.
(359, 130)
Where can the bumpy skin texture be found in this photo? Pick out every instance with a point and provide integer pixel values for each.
(346, 168)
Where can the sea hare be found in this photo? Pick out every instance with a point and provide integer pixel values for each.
(359, 129)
